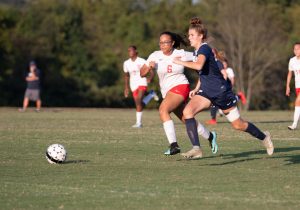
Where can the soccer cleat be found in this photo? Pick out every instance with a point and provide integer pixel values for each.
(213, 143)
(291, 127)
(137, 125)
(22, 110)
(211, 122)
(194, 153)
(37, 110)
(268, 144)
(173, 150)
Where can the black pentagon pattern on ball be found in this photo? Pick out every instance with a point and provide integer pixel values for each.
(56, 153)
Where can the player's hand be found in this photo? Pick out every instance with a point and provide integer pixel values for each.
(287, 91)
(126, 93)
(192, 93)
(152, 64)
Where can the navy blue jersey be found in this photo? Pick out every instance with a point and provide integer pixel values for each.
(220, 65)
(212, 81)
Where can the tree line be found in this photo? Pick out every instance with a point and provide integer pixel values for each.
(80, 45)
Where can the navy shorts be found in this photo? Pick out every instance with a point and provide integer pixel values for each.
(224, 101)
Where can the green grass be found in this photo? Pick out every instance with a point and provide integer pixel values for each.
(113, 166)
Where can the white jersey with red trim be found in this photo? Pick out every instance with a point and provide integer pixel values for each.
(169, 73)
(294, 65)
(133, 68)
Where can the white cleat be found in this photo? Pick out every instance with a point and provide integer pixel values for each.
(193, 154)
(137, 125)
(155, 96)
(291, 127)
(268, 144)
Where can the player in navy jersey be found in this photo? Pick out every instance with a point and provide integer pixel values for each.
(212, 88)
(214, 109)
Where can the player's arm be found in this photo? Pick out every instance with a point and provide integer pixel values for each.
(196, 89)
(126, 84)
(288, 81)
(196, 65)
(147, 69)
(151, 76)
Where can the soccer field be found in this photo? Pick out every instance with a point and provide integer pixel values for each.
(113, 166)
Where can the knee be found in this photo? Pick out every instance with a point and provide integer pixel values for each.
(240, 125)
(163, 111)
(187, 113)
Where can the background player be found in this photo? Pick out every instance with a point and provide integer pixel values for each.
(138, 85)
(32, 92)
(294, 66)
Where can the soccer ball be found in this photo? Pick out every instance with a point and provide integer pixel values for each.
(56, 154)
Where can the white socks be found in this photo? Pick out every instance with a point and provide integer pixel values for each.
(170, 131)
(202, 131)
(171, 135)
(139, 118)
(296, 116)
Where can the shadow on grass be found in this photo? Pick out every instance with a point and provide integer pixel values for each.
(266, 122)
(76, 161)
(291, 159)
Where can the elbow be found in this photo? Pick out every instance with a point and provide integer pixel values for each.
(143, 73)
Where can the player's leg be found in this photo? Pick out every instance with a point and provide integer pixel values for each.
(170, 103)
(38, 101)
(202, 130)
(38, 105)
(296, 112)
(195, 105)
(138, 96)
(25, 100)
(233, 116)
(25, 104)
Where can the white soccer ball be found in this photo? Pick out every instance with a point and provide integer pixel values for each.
(56, 154)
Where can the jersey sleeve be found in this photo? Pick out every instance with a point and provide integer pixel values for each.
(220, 65)
(291, 66)
(187, 56)
(204, 50)
(142, 61)
(152, 57)
(125, 69)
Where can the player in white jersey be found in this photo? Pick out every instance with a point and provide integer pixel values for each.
(294, 66)
(174, 87)
(138, 85)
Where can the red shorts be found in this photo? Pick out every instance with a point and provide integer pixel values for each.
(136, 92)
(297, 91)
(183, 90)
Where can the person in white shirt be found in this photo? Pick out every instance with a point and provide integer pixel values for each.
(294, 66)
(174, 87)
(137, 84)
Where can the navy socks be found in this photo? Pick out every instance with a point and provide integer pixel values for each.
(191, 128)
(254, 131)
